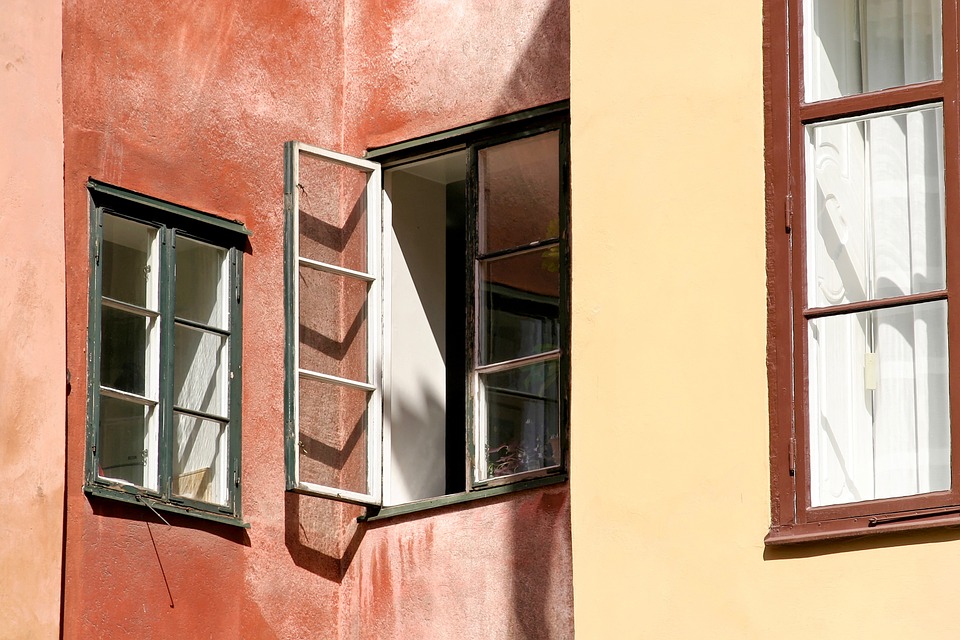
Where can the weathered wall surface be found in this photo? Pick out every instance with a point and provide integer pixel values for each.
(670, 484)
(191, 103)
(32, 349)
(498, 569)
(421, 67)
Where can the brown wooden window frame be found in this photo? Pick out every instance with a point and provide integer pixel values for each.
(786, 114)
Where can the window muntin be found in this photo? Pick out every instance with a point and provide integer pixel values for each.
(858, 46)
(164, 356)
(432, 249)
(519, 192)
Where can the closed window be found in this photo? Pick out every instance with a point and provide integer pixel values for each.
(164, 423)
(862, 164)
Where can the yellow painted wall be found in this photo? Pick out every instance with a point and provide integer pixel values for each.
(32, 347)
(670, 476)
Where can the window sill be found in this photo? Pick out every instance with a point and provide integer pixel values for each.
(862, 526)
(132, 496)
(384, 513)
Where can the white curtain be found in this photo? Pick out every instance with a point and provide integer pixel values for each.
(201, 369)
(878, 401)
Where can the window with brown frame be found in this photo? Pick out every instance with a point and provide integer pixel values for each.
(862, 138)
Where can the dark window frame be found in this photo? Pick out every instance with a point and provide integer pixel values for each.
(462, 485)
(786, 115)
(170, 221)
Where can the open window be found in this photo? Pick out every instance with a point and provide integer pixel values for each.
(428, 337)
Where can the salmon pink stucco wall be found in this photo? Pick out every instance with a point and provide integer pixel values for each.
(32, 349)
(191, 102)
(423, 66)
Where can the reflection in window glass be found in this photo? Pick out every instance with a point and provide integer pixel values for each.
(333, 324)
(875, 207)
(520, 192)
(520, 312)
(523, 420)
(333, 435)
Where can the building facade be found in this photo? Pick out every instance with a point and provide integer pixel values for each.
(628, 455)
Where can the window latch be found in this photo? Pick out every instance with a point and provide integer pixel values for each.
(149, 506)
(792, 455)
(913, 515)
(788, 213)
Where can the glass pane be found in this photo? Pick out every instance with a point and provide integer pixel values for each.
(333, 324)
(520, 305)
(520, 192)
(333, 436)
(200, 365)
(201, 461)
(879, 404)
(129, 259)
(875, 212)
(855, 46)
(333, 213)
(128, 352)
(202, 283)
(127, 442)
(522, 419)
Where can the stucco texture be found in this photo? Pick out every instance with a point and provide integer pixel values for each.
(191, 102)
(670, 490)
(32, 346)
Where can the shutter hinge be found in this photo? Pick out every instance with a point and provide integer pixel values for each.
(788, 213)
(96, 250)
(236, 478)
(792, 455)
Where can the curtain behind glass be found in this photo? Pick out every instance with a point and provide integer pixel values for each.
(878, 402)
(855, 46)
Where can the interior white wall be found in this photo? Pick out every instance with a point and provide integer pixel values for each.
(416, 436)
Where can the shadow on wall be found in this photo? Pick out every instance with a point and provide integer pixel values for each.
(539, 560)
(537, 555)
(546, 56)
(314, 545)
(536, 558)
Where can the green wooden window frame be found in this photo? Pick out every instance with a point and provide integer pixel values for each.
(469, 483)
(169, 222)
